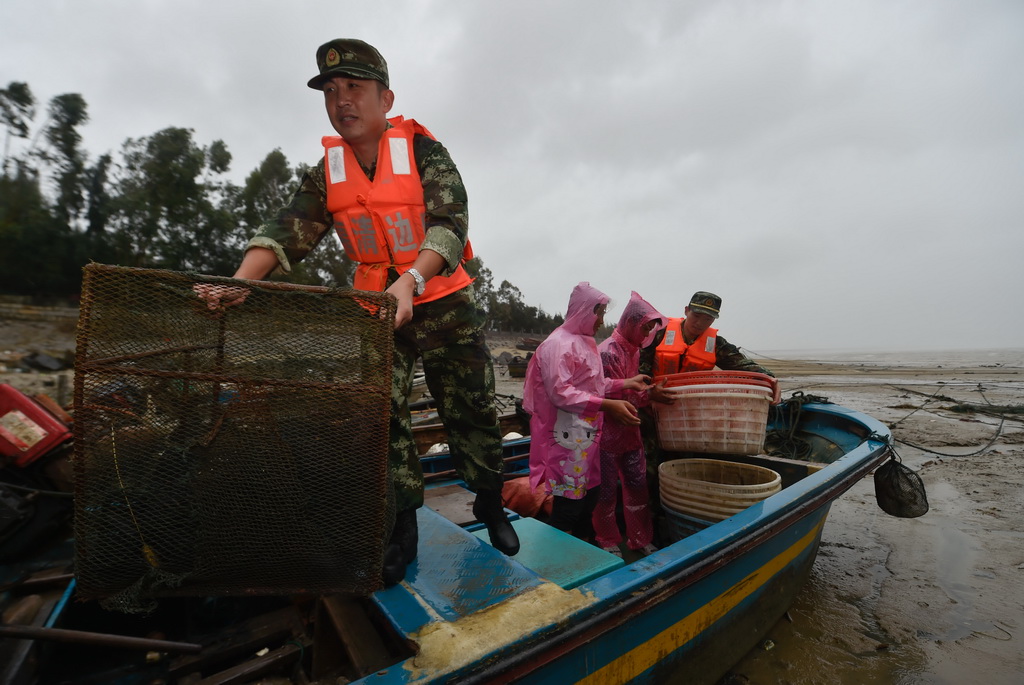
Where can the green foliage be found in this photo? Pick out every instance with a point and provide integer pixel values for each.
(505, 307)
(67, 113)
(37, 249)
(162, 202)
(39, 246)
(218, 158)
(98, 210)
(169, 211)
(17, 109)
(483, 283)
(267, 189)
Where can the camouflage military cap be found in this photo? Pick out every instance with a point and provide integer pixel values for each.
(706, 302)
(349, 57)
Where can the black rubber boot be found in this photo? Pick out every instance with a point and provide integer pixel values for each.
(401, 549)
(394, 565)
(488, 510)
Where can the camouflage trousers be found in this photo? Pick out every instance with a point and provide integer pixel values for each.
(447, 334)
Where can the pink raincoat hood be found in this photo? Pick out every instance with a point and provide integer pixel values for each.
(580, 317)
(620, 356)
(569, 353)
(635, 316)
(563, 392)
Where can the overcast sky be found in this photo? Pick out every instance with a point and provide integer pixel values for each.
(847, 175)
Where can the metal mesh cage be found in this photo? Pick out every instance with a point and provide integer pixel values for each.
(236, 451)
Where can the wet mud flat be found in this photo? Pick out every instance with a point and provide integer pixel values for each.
(937, 599)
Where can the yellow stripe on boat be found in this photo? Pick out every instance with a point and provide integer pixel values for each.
(636, 661)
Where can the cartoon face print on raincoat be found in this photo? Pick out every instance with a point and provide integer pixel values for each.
(563, 391)
(576, 434)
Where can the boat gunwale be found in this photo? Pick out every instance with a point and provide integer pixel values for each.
(628, 591)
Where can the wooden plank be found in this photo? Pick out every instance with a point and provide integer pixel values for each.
(246, 638)
(99, 639)
(359, 638)
(453, 502)
(786, 460)
(20, 664)
(330, 659)
(429, 434)
(791, 470)
(254, 668)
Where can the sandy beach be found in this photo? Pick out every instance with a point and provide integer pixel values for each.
(937, 599)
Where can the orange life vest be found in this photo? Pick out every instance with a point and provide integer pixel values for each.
(673, 355)
(381, 222)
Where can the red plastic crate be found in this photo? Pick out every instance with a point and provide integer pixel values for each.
(27, 431)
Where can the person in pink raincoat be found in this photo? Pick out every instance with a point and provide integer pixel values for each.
(622, 451)
(566, 394)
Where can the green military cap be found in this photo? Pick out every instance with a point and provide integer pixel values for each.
(706, 302)
(349, 57)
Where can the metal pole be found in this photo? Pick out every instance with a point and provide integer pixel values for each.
(102, 639)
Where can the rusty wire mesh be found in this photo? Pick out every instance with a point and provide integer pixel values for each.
(228, 452)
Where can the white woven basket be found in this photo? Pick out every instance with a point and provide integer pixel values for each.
(715, 418)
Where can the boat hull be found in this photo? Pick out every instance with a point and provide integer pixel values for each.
(686, 614)
(692, 634)
(690, 611)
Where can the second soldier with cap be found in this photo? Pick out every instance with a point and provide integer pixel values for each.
(689, 343)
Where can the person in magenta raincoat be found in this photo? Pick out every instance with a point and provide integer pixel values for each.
(567, 395)
(621, 448)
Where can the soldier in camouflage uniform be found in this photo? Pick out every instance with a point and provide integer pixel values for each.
(444, 329)
(702, 311)
(693, 338)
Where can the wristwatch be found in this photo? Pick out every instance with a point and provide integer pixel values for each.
(421, 284)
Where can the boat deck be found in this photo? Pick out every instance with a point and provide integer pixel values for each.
(457, 573)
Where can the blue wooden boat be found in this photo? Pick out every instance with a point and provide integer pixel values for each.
(561, 611)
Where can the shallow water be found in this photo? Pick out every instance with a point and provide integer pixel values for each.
(1010, 357)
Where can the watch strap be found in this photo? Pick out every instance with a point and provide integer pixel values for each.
(421, 283)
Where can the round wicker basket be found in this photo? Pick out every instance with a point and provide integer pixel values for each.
(712, 489)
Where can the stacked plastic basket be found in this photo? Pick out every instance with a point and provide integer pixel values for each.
(716, 412)
(695, 493)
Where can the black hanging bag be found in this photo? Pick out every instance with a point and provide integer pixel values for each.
(899, 491)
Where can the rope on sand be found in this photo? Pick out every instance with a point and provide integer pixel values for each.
(966, 406)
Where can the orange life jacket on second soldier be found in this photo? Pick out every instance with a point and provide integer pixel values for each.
(673, 355)
(381, 222)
